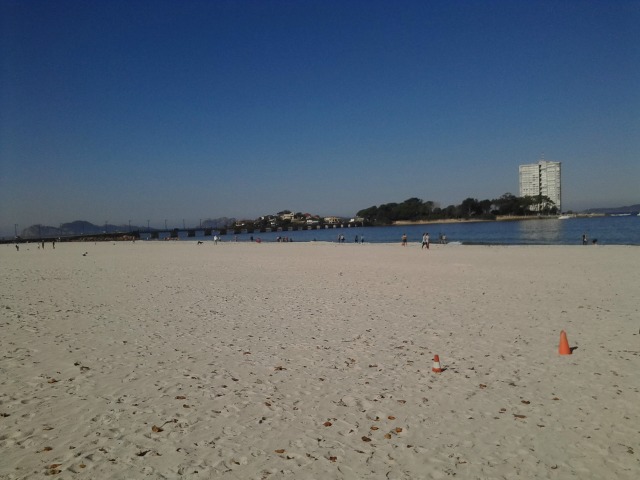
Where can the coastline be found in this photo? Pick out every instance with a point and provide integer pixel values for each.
(503, 218)
(402, 223)
(313, 360)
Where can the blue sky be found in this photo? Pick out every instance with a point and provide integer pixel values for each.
(152, 110)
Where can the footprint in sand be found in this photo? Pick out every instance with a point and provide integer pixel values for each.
(349, 401)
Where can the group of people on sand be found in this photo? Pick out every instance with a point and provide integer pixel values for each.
(40, 245)
(426, 240)
(342, 239)
(585, 240)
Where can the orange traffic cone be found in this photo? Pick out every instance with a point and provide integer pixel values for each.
(564, 344)
(436, 365)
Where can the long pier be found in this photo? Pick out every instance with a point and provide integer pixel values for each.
(169, 233)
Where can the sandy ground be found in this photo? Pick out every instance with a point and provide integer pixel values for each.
(313, 361)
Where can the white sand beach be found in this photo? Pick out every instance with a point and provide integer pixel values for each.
(313, 361)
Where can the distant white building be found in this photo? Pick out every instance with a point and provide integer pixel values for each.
(542, 178)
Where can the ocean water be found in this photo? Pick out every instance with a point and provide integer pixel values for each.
(606, 230)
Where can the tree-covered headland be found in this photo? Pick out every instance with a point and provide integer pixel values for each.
(415, 209)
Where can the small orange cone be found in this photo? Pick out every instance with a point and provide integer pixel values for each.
(564, 344)
(436, 365)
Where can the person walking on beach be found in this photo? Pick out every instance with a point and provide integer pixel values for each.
(404, 239)
(425, 241)
(584, 238)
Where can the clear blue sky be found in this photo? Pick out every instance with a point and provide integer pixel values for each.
(154, 110)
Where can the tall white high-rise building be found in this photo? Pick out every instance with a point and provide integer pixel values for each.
(542, 178)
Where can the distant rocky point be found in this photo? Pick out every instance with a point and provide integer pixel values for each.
(608, 211)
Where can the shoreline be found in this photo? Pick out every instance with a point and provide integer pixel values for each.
(503, 218)
(129, 236)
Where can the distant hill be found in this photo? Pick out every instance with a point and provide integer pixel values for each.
(82, 227)
(628, 209)
(78, 227)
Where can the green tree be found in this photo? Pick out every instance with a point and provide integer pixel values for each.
(470, 207)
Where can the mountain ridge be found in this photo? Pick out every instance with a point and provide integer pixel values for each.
(626, 209)
(83, 227)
